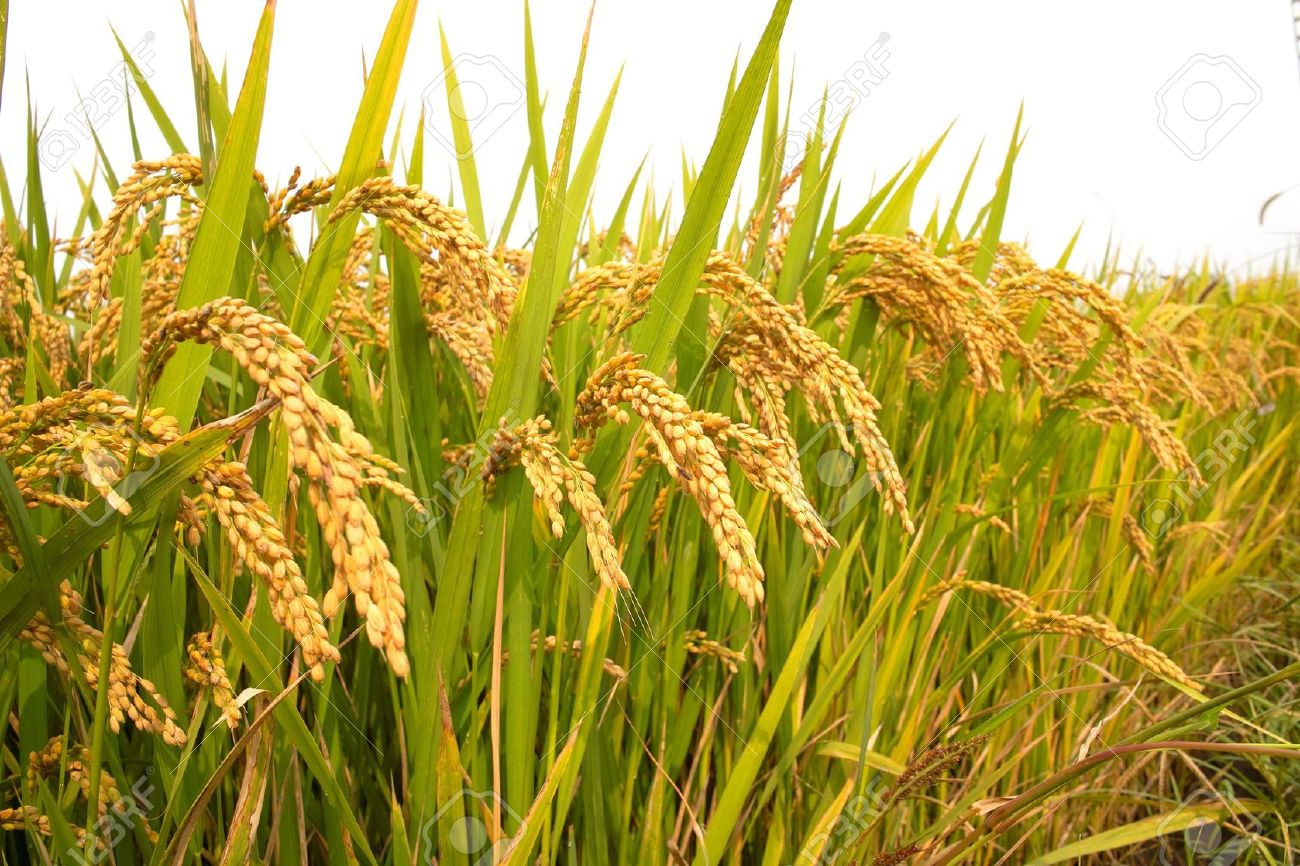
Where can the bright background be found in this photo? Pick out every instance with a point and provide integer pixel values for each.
(1088, 75)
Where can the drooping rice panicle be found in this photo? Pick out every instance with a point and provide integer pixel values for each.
(688, 453)
(51, 760)
(294, 199)
(150, 183)
(260, 545)
(770, 351)
(207, 670)
(324, 446)
(441, 239)
(24, 318)
(953, 311)
(556, 479)
(698, 642)
(129, 695)
(1050, 621)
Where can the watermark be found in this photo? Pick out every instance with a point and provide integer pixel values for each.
(456, 481)
(470, 836)
(1214, 462)
(857, 816)
(485, 94)
(1204, 101)
(107, 98)
(848, 91)
(112, 827)
(837, 469)
(86, 458)
(1203, 841)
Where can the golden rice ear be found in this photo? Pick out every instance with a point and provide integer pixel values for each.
(293, 199)
(1084, 625)
(360, 309)
(260, 545)
(97, 429)
(768, 348)
(55, 759)
(1044, 621)
(687, 452)
(41, 325)
(161, 276)
(952, 311)
(207, 669)
(699, 643)
(129, 696)
(782, 216)
(152, 181)
(769, 465)
(20, 818)
(1114, 401)
(439, 236)
(574, 648)
(554, 479)
(471, 343)
(337, 467)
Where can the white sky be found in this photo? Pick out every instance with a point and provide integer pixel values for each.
(1088, 74)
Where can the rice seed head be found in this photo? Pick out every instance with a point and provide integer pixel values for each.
(1086, 626)
(977, 511)
(687, 452)
(441, 239)
(573, 648)
(294, 199)
(25, 319)
(97, 448)
(1035, 619)
(1113, 401)
(260, 544)
(936, 295)
(769, 464)
(51, 760)
(20, 818)
(927, 767)
(1008, 596)
(768, 348)
(324, 445)
(556, 479)
(129, 696)
(951, 310)
(207, 669)
(698, 642)
(150, 182)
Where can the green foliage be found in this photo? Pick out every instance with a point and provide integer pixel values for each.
(869, 708)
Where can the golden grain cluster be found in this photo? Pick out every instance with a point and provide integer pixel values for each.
(1067, 335)
(556, 479)
(1039, 620)
(337, 462)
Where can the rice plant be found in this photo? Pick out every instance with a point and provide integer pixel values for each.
(338, 529)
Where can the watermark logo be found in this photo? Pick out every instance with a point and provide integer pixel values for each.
(105, 99)
(112, 826)
(456, 480)
(117, 472)
(485, 95)
(858, 82)
(859, 813)
(471, 837)
(1214, 462)
(1204, 101)
(1202, 840)
(837, 469)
